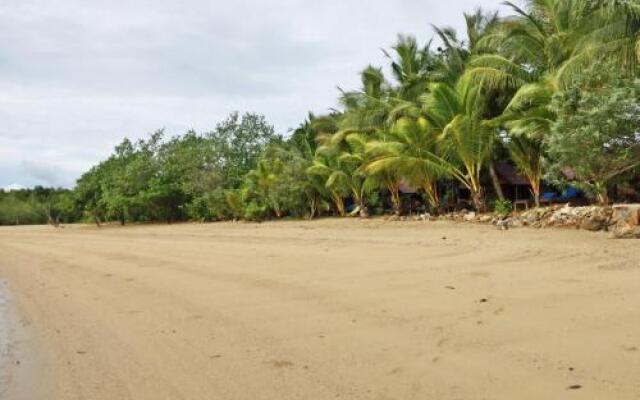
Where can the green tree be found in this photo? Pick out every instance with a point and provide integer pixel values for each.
(466, 139)
(412, 152)
(596, 134)
(241, 141)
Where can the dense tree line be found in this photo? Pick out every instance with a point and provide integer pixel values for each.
(552, 88)
(38, 206)
(186, 177)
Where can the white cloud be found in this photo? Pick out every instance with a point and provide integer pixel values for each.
(76, 76)
(13, 186)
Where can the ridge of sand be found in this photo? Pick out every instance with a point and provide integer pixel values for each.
(329, 309)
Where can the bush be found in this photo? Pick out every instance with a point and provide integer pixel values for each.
(255, 212)
(502, 207)
(595, 135)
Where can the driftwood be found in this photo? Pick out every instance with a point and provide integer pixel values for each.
(53, 221)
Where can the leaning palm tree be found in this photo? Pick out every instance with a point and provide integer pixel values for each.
(339, 159)
(410, 153)
(454, 52)
(532, 55)
(366, 119)
(412, 68)
(527, 153)
(527, 119)
(456, 113)
(327, 168)
(365, 110)
(456, 55)
(544, 45)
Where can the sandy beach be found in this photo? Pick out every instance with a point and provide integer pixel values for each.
(325, 309)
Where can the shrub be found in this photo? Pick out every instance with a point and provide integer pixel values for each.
(502, 207)
(255, 212)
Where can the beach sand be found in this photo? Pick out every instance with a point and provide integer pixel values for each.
(326, 309)
(23, 374)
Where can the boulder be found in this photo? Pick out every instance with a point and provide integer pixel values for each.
(624, 230)
(516, 223)
(627, 213)
(594, 223)
(625, 220)
(469, 217)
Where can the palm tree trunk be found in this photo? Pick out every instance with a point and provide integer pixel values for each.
(433, 198)
(394, 191)
(535, 188)
(477, 196)
(496, 181)
(313, 208)
(338, 201)
(603, 195)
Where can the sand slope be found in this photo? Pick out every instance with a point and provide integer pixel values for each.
(329, 309)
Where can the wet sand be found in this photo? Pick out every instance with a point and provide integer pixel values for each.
(23, 374)
(326, 309)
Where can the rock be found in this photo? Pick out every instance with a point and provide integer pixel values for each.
(592, 218)
(504, 224)
(469, 217)
(425, 217)
(628, 213)
(624, 230)
(516, 223)
(594, 223)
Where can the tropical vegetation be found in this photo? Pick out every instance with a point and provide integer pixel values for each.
(552, 88)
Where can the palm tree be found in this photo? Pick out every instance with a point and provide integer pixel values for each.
(365, 110)
(465, 138)
(260, 183)
(366, 119)
(527, 153)
(540, 49)
(412, 67)
(411, 153)
(327, 167)
(455, 53)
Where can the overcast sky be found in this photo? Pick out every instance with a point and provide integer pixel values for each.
(76, 76)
